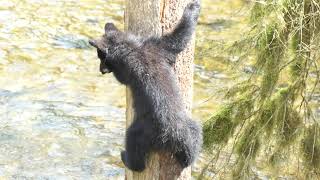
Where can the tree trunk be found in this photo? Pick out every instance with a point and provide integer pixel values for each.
(153, 18)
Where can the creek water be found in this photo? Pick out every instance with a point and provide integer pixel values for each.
(61, 119)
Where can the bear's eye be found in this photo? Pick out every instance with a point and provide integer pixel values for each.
(101, 54)
(111, 40)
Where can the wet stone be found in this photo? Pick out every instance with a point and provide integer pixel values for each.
(249, 69)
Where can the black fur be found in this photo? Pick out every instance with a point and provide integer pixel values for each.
(145, 65)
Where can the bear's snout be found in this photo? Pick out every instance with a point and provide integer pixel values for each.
(93, 43)
(105, 70)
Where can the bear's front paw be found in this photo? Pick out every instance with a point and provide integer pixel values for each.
(194, 6)
(192, 10)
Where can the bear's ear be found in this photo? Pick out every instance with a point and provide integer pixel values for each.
(109, 27)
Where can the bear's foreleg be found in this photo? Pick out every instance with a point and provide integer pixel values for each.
(178, 40)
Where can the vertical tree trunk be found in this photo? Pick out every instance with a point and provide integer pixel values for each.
(153, 18)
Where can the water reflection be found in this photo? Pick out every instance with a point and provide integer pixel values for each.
(59, 117)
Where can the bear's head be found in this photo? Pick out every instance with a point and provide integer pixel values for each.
(107, 47)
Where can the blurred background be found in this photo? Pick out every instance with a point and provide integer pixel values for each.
(60, 118)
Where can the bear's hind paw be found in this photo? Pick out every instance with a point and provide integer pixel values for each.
(137, 166)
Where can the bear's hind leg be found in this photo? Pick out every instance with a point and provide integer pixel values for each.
(184, 158)
(137, 148)
(190, 144)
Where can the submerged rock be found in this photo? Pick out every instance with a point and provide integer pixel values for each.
(70, 41)
(219, 24)
(206, 75)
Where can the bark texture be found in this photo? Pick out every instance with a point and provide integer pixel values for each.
(153, 18)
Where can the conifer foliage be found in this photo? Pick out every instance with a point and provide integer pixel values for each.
(270, 119)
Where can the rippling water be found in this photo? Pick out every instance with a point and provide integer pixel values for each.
(60, 119)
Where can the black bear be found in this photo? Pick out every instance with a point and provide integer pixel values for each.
(146, 67)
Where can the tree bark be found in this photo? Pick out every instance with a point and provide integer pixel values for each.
(154, 18)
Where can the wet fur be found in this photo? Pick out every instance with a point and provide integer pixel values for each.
(161, 122)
